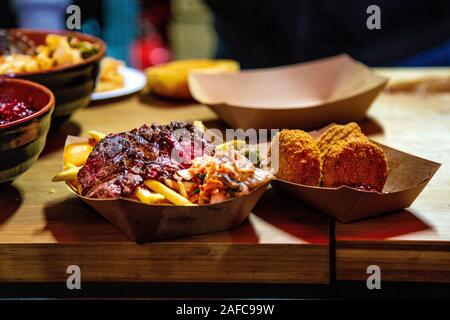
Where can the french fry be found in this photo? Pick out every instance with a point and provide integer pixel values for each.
(69, 174)
(96, 135)
(69, 165)
(147, 197)
(168, 193)
(182, 189)
(171, 184)
(177, 186)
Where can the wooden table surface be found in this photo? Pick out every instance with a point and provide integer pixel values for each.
(43, 228)
(413, 244)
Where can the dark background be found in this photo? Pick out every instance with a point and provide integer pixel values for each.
(260, 33)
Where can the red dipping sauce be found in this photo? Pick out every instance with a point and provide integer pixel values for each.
(12, 109)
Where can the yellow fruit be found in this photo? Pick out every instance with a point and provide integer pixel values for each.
(77, 153)
(170, 80)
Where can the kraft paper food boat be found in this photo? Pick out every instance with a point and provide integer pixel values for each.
(407, 177)
(143, 222)
(307, 95)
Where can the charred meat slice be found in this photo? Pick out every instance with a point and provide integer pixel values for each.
(122, 161)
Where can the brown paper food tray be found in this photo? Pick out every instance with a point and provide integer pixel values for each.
(142, 222)
(306, 95)
(407, 177)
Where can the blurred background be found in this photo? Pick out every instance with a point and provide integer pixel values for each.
(257, 33)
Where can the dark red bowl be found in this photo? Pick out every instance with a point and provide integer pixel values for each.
(71, 84)
(22, 141)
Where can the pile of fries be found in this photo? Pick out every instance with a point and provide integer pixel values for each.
(58, 50)
(209, 180)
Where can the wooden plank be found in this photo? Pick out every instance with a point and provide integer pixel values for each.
(44, 229)
(413, 244)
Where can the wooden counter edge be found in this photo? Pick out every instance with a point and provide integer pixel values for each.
(398, 260)
(167, 262)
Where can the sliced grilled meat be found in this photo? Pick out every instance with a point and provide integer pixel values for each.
(122, 161)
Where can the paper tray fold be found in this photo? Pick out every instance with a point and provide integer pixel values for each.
(306, 95)
(143, 223)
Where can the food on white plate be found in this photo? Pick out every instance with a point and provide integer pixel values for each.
(109, 77)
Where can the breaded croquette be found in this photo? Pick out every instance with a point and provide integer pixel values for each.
(299, 158)
(338, 133)
(350, 158)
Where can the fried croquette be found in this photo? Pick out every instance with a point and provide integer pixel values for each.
(299, 158)
(350, 158)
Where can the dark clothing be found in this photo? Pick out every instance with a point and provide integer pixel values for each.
(262, 33)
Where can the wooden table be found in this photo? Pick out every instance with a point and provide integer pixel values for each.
(44, 229)
(414, 244)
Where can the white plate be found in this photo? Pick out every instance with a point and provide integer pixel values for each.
(134, 79)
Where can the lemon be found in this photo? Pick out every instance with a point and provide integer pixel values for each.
(77, 153)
